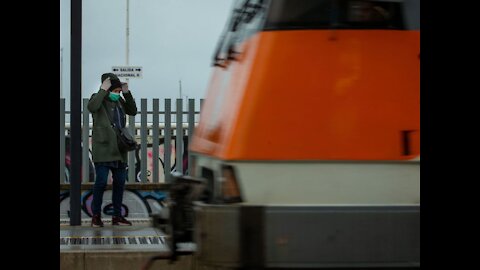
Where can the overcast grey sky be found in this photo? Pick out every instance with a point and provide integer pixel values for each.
(171, 39)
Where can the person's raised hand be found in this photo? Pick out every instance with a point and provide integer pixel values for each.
(125, 88)
(106, 84)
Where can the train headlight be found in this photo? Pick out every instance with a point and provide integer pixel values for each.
(231, 192)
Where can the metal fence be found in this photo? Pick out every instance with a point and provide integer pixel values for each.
(149, 132)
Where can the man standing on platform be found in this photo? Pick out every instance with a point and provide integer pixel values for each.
(109, 110)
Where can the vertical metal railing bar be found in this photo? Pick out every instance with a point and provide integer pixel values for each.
(179, 137)
(131, 154)
(201, 107)
(167, 140)
(85, 142)
(155, 140)
(62, 140)
(143, 139)
(191, 129)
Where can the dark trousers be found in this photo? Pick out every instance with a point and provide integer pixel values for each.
(119, 175)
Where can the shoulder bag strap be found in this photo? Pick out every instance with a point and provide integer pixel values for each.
(108, 114)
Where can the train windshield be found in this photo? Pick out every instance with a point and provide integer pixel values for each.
(342, 14)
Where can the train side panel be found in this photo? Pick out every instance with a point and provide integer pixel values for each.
(301, 95)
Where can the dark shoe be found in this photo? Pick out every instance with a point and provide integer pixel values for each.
(97, 221)
(120, 221)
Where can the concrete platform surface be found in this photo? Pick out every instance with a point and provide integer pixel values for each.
(117, 247)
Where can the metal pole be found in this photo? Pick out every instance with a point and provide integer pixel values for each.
(75, 107)
(180, 87)
(128, 30)
(61, 72)
(62, 141)
(128, 35)
(167, 140)
(191, 128)
(143, 136)
(131, 154)
(155, 136)
(85, 143)
(131, 119)
(179, 137)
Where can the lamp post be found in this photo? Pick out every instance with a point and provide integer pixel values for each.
(75, 116)
(131, 155)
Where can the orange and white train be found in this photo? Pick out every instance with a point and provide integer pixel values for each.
(309, 137)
